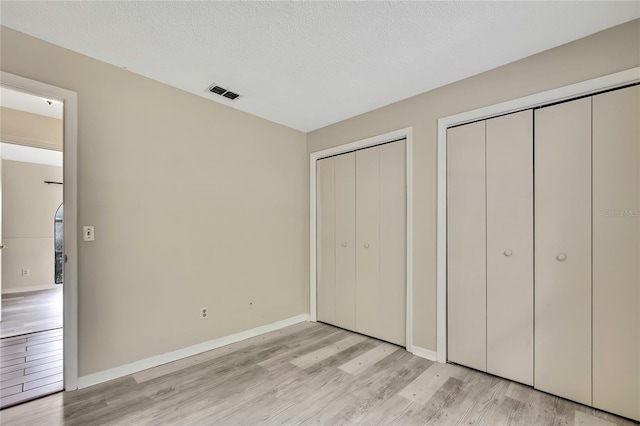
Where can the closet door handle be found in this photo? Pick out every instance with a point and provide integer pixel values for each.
(366, 245)
(343, 244)
(508, 253)
(561, 257)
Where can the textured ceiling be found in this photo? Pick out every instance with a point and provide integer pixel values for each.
(29, 103)
(310, 64)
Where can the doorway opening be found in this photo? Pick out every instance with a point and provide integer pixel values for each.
(31, 264)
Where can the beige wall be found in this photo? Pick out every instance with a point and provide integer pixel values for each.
(25, 128)
(610, 51)
(29, 206)
(194, 204)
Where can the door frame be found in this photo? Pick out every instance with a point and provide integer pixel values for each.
(406, 133)
(70, 200)
(571, 91)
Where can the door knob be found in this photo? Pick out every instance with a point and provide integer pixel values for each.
(561, 257)
(3, 247)
(508, 253)
(366, 245)
(344, 244)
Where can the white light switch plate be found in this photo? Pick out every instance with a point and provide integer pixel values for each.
(88, 233)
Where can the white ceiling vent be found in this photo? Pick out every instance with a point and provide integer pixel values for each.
(223, 92)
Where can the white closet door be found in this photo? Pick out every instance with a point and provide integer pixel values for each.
(509, 166)
(563, 250)
(326, 246)
(466, 246)
(616, 252)
(368, 282)
(381, 242)
(345, 239)
(392, 295)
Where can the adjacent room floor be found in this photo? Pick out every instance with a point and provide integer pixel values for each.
(31, 346)
(30, 312)
(307, 373)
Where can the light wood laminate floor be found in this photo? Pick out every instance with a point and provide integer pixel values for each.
(30, 312)
(310, 373)
(31, 366)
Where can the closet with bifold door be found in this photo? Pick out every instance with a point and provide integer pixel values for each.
(543, 248)
(361, 241)
(490, 245)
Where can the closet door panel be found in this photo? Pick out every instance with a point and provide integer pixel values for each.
(325, 231)
(466, 246)
(510, 246)
(392, 297)
(563, 250)
(345, 223)
(368, 286)
(616, 252)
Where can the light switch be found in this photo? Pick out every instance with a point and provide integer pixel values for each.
(88, 233)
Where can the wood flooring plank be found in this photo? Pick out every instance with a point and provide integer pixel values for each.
(44, 366)
(171, 367)
(7, 401)
(42, 355)
(33, 377)
(25, 364)
(12, 349)
(12, 361)
(9, 341)
(42, 381)
(427, 384)
(321, 354)
(10, 390)
(11, 375)
(9, 352)
(369, 358)
(23, 345)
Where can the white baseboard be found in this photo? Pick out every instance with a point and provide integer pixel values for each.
(144, 364)
(425, 353)
(33, 288)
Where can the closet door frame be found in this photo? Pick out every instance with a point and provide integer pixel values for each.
(407, 134)
(584, 88)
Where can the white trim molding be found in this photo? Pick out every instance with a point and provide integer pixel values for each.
(154, 361)
(70, 198)
(425, 353)
(584, 88)
(406, 133)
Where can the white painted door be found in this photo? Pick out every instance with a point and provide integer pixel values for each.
(616, 252)
(562, 179)
(381, 242)
(466, 246)
(336, 231)
(361, 231)
(325, 231)
(509, 177)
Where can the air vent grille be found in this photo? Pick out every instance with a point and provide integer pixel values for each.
(217, 90)
(230, 95)
(221, 91)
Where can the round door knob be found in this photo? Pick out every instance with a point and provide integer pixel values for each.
(344, 244)
(508, 253)
(366, 245)
(561, 257)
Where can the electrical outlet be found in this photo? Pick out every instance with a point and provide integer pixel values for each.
(26, 272)
(204, 313)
